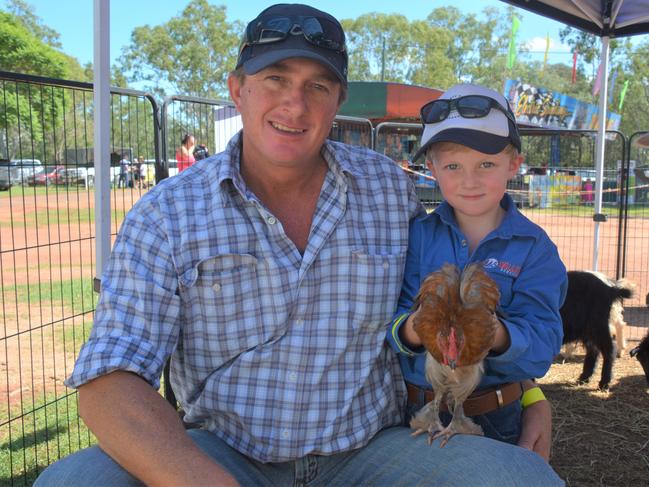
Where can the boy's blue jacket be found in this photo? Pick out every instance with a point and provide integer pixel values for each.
(532, 280)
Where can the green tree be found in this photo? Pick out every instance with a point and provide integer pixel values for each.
(33, 118)
(430, 64)
(476, 47)
(378, 47)
(23, 52)
(635, 110)
(25, 14)
(191, 54)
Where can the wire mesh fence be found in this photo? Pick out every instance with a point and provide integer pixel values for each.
(211, 123)
(47, 253)
(47, 235)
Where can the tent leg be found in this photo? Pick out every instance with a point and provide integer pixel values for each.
(599, 148)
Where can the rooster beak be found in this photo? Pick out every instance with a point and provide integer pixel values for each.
(451, 364)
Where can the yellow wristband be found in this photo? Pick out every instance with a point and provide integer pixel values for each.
(530, 396)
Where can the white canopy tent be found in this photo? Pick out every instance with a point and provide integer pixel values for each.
(605, 19)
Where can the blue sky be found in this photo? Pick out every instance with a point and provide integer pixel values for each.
(73, 19)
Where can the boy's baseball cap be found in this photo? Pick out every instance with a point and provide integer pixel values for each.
(285, 31)
(489, 134)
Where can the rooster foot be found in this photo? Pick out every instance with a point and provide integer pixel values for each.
(426, 421)
(431, 429)
(457, 426)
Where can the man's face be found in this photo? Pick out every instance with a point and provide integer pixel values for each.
(287, 111)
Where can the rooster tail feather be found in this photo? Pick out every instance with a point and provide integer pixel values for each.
(477, 288)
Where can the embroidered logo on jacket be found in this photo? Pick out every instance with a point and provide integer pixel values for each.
(504, 267)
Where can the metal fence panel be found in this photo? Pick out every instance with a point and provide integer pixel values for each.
(47, 226)
(352, 130)
(47, 241)
(211, 122)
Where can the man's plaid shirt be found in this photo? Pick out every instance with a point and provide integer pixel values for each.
(278, 353)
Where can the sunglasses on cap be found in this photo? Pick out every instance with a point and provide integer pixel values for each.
(469, 106)
(318, 31)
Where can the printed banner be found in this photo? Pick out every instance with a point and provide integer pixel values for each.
(550, 109)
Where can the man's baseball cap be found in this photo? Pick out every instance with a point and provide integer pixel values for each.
(470, 115)
(285, 31)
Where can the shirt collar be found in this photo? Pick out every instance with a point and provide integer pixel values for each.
(334, 153)
(514, 223)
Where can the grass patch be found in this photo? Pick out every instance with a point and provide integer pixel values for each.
(60, 216)
(75, 294)
(32, 439)
(18, 191)
(73, 333)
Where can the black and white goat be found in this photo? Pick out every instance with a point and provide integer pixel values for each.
(641, 352)
(593, 302)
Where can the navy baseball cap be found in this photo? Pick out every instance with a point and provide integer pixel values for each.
(285, 31)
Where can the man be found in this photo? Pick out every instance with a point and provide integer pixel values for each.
(270, 272)
(124, 171)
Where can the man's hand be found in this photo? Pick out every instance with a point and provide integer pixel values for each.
(536, 428)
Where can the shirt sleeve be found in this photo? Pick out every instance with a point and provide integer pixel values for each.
(532, 318)
(409, 289)
(136, 320)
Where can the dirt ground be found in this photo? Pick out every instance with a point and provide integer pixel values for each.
(600, 438)
(45, 238)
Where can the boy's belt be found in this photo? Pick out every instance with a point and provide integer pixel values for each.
(480, 402)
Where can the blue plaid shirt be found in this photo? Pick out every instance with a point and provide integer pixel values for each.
(279, 354)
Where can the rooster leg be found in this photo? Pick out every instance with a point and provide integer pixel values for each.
(427, 420)
(459, 424)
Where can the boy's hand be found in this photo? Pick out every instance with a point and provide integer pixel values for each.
(501, 339)
(536, 428)
(407, 332)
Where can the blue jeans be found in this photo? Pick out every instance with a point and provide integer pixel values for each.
(391, 458)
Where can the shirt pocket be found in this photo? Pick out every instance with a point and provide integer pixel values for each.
(227, 305)
(371, 288)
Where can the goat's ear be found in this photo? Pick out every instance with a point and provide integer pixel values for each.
(477, 288)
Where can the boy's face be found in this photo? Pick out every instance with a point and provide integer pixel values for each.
(473, 182)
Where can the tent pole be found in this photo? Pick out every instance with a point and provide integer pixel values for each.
(101, 102)
(599, 149)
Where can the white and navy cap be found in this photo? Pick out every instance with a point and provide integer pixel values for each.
(490, 134)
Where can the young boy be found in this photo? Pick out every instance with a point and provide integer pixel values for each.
(473, 148)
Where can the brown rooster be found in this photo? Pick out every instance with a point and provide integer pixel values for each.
(456, 323)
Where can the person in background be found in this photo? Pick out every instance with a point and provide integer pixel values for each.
(268, 273)
(124, 180)
(137, 171)
(201, 152)
(185, 153)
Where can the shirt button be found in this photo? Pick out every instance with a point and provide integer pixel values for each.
(285, 434)
(216, 287)
(386, 265)
(292, 376)
(463, 243)
(299, 322)
(272, 220)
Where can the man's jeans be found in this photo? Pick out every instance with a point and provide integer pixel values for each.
(391, 458)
